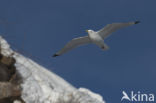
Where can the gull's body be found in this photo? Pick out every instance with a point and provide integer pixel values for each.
(95, 37)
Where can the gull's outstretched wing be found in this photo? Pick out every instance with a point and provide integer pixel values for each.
(72, 44)
(109, 28)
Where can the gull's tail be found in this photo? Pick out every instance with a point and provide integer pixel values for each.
(105, 47)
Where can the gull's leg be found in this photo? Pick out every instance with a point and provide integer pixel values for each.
(103, 47)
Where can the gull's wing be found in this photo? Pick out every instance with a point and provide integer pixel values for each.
(109, 28)
(72, 44)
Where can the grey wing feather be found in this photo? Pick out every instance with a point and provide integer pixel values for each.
(109, 28)
(73, 44)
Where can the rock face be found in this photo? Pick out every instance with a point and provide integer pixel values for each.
(42, 86)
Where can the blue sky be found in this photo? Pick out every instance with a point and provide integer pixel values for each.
(40, 28)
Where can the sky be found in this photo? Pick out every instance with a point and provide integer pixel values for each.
(39, 28)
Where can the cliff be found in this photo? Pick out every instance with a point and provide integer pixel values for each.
(24, 81)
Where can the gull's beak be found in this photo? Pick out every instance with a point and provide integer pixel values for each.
(87, 31)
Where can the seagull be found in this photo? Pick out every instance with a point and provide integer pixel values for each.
(95, 37)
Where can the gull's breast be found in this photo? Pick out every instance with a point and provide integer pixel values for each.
(96, 39)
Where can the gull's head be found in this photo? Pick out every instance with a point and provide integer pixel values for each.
(89, 31)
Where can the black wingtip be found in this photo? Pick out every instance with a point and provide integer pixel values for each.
(136, 22)
(55, 55)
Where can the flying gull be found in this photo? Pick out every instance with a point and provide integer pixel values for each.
(95, 37)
